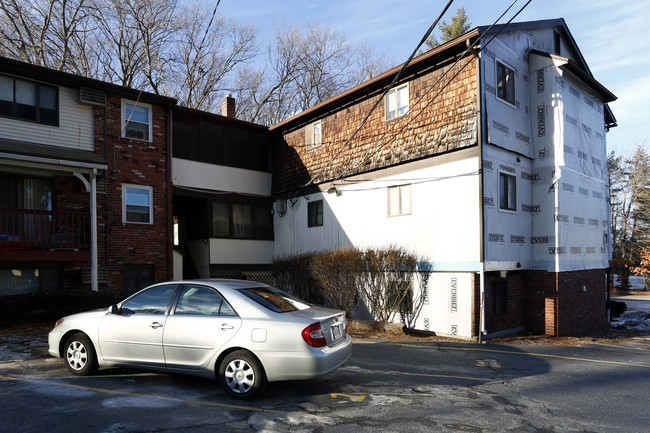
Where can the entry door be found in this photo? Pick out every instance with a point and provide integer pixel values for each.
(134, 336)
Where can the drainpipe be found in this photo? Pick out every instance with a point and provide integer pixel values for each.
(94, 268)
(481, 115)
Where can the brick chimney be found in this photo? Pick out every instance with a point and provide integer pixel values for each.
(228, 106)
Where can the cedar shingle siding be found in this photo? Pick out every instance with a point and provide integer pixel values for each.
(443, 120)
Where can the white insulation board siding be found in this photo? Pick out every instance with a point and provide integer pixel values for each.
(442, 303)
(571, 230)
(508, 125)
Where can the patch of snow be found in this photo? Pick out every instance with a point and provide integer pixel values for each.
(638, 320)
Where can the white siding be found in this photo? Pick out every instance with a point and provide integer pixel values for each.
(443, 227)
(75, 128)
(213, 177)
(238, 251)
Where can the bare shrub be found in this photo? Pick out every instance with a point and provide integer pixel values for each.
(338, 273)
(292, 274)
(386, 283)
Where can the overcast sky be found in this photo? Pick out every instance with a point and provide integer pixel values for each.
(611, 35)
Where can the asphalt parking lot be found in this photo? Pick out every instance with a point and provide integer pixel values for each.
(385, 386)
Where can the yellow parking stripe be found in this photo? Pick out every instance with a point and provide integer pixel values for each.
(544, 355)
(135, 394)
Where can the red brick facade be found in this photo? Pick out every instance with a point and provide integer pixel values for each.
(141, 163)
(551, 303)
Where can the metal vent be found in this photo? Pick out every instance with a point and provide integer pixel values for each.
(92, 96)
(102, 275)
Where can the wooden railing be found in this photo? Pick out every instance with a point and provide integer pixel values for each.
(44, 230)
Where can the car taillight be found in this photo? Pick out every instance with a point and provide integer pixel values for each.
(346, 323)
(314, 336)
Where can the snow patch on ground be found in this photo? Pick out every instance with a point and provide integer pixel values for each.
(638, 320)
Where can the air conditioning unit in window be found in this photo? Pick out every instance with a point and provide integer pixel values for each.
(92, 96)
(132, 133)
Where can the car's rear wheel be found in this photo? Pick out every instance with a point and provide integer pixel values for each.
(80, 356)
(241, 375)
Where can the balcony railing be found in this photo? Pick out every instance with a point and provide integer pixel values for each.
(27, 229)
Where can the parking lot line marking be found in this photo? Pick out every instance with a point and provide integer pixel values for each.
(358, 397)
(544, 355)
(135, 394)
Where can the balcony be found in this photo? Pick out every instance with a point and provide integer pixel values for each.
(36, 235)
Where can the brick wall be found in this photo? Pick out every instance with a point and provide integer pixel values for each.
(552, 303)
(568, 303)
(141, 163)
(442, 120)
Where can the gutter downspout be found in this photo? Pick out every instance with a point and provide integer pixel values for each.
(481, 103)
(94, 266)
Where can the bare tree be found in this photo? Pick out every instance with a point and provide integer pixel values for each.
(205, 55)
(630, 206)
(304, 68)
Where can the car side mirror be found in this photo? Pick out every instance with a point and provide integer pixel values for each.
(113, 309)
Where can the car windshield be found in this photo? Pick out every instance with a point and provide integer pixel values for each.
(275, 299)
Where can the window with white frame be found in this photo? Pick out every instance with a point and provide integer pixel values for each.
(313, 135)
(136, 120)
(507, 192)
(137, 204)
(505, 83)
(399, 200)
(397, 102)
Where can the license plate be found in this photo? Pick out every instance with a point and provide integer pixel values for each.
(336, 332)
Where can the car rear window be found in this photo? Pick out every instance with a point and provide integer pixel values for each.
(275, 299)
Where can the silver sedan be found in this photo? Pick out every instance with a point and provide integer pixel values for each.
(244, 333)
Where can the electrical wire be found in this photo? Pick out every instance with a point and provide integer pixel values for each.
(376, 149)
(372, 109)
(471, 48)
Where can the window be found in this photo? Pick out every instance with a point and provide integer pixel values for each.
(313, 135)
(499, 296)
(242, 221)
(397, 102)
(137, 277)
(28, 100)
(399, 200)
(505, 83)
(507, 192)
(400, 297)
(274, 299)
(19, 280)
(136, 120)
(315, 213)
(202, 301)
(137, 204)
(153, 301)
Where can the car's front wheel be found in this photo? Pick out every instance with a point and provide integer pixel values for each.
(241, 375)
(80, 357)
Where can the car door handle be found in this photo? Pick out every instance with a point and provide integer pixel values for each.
(226, 327)
(156, 325)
